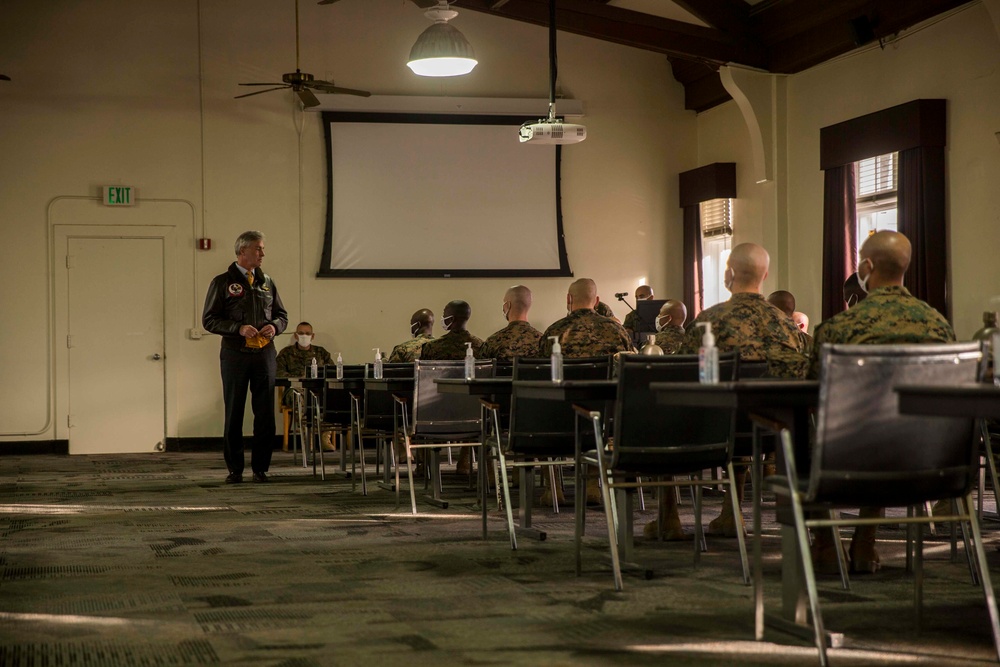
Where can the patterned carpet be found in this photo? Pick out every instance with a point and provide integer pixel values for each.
(153, 560)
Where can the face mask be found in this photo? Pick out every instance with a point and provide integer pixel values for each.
(662, 323)
(505, 309)
(414, 328)
(446, 321)
(727, 279)
(303, 340)
(863, 282)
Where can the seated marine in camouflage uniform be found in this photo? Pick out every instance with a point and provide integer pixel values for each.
(604, 309)
(670, 326)
(584, 333)
(421, 326)
(293, 360)
(631, 323)
(761, 332)
(888, 315)
(452, 344)
(518, 338)
(784, 301)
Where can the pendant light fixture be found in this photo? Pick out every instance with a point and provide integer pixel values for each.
(552, 130)
(441, 50)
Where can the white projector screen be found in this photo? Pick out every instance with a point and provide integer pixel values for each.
(439, 195)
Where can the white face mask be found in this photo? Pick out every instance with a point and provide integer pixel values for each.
(863, 282)
(446, 322)
(662, 323)
(505, 308)
(303, 340)
(727, 279)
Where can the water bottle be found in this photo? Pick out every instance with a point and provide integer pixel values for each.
(556, 359)
(378, 363)
(340, 367)
(313, 369)
(470, 363)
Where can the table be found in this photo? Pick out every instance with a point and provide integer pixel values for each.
(773, 403)
(493, 388)
(967, 400)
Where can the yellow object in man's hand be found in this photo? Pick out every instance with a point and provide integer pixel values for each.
(258, 341)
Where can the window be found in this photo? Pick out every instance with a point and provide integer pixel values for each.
(875, 191)
(716, 243)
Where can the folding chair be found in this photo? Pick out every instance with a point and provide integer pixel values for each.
(866, 453)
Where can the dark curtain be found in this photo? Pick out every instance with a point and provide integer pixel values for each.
(840, 236)
(694, 285)
(920, 216)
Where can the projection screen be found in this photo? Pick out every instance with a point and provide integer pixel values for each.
(439, 195)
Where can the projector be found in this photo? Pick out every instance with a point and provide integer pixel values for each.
(551, 131)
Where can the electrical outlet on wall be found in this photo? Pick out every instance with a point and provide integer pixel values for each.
(195, 334)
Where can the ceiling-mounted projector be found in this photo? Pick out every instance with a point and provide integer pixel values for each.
(551, 131)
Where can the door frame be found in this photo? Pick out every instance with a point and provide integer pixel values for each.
(60, 299)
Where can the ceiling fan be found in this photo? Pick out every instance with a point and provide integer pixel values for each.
(303, 83)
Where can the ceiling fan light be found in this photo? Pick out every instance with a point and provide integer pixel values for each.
(441, 50)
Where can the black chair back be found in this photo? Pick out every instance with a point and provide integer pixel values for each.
(656, 439)
(378, 405)
(337, 402)
(865, 451)
(445, 416)
(546, 428)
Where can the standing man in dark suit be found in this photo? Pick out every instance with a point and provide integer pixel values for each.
(244, 308)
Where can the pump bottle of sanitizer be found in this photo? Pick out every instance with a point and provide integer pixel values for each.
(708, 357)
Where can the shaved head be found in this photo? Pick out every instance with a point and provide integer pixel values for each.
(518, 296)
(643, 292)
(748, 264)
(889, 254)
(422, 321)
(783, 300)
(801, 320)
(582, 294)
(675, 310)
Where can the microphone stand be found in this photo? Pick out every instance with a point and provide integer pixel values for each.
(635, 334)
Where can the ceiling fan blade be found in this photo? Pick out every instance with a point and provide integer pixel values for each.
(329, 87)
(271, 83)
(307, 97)
(260, 92)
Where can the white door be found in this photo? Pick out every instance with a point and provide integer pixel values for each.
(116, 366)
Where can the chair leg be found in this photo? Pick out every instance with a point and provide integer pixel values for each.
(502, 464)
(838, 543)
(609, 514)
(990, 463)
(409, 460)
(744, 561)
(969, 509)
(699, 532)
(553, 489)
(918, 576)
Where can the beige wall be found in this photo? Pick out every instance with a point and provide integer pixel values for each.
(110, 91)
(955, 58)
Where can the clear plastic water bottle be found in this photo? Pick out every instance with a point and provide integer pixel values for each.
(556, 360)
(313, 369)
(378, 363)
(340, 367)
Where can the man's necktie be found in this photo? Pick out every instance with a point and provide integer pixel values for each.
(250, 278)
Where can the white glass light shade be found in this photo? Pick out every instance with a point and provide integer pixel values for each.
(441, 50)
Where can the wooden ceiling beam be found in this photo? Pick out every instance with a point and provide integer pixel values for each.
(729, 16)
(623, 26)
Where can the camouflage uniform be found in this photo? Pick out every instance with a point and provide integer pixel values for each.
(630, 322)
(887, 316)
(293, 360)
(759, 331)
(671, 339)
(451, 346)
(604, 309)
(517, 339)
(585, 333)
(409, 350)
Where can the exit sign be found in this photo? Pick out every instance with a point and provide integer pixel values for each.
(119, 195)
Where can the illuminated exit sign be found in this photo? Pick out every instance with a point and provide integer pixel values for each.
(119, 195)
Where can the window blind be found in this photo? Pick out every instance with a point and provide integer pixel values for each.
(716, 217)
(876, 175)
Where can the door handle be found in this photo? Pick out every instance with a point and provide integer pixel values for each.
(156, 357)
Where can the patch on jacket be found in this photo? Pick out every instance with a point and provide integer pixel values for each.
(235, 289)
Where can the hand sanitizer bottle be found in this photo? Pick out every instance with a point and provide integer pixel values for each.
(470, 363)
(708, 357)
(557, 361)
(651, 348)
(378, 363)
(340, 367)
(314, 369)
